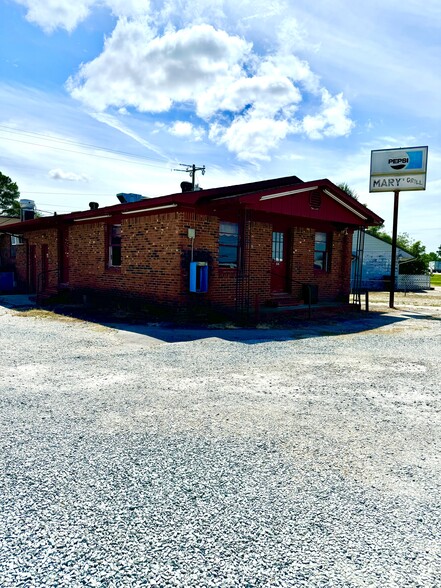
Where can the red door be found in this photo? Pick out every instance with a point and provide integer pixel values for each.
(44, 267)
(279, 262)
(32, 268)
(64, 256)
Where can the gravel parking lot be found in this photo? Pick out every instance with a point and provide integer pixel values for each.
(169, 458)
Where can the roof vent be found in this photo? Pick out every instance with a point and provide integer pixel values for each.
(93, 205)
(315, 199)
(186, 186)
(125, 197)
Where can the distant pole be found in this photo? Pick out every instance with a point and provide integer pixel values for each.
(191, 169)
(394, 251)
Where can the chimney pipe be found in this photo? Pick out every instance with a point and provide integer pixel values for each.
(186, 186)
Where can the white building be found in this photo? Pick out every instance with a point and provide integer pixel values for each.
(376, 264)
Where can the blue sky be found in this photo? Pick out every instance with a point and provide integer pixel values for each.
(105, 96)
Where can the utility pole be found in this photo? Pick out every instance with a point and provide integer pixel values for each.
(393, 260)
(191, 169)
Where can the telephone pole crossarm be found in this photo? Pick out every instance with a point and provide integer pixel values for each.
(191, 169)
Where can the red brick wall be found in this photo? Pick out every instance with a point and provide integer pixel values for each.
(150, 257)
(156, 253)
(331, 284)
(47, 237)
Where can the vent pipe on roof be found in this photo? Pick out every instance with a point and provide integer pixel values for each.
(27, 209)
(94, 205)
(186, 186)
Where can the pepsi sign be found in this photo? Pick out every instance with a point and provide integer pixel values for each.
(398, 169)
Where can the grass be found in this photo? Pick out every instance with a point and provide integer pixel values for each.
(435, 280)
(43, 314)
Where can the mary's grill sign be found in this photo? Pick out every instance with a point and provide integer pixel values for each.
(398, 169)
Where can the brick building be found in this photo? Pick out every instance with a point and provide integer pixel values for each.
(234, 248)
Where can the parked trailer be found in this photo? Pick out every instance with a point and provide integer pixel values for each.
(435, 266)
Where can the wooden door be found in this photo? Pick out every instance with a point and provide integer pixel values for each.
(279, 261)
(64, 256)
(32, 268)
(44, 267)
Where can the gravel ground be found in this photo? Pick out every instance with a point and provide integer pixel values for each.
(153, 457)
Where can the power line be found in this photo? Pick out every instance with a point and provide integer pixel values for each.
(46, 193)
(72, 142)
(84, 153)
(191, 169)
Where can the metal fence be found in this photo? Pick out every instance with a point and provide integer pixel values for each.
(404, 283)
(412, 283)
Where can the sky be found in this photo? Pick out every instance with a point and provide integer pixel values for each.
(99, 97)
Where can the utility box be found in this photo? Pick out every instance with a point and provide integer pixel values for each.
(199, 276)
(6, 281)
(310, 293)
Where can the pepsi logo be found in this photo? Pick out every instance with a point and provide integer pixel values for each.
(398, 162)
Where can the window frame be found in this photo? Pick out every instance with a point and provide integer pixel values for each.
(114, 246)
(228, 246)
(16, 240)
(322, 248)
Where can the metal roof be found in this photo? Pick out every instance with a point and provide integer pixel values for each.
(279, 195)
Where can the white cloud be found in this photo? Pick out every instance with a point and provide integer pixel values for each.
(198, 55)
(53, 14)
(185, 129)
(67, 14)
(249, 137)
(59, 174)
(332, 120)
(152, 73)
(216, 73)
(115, 123)
(128, 8)
(266, 94)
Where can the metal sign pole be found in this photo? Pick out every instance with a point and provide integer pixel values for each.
(394, 251)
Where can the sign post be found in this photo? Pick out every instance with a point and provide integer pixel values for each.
(396, 170)
(393, 260)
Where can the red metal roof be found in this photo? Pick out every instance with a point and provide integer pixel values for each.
(287, 196)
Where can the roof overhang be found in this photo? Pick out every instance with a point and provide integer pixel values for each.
(287, 196)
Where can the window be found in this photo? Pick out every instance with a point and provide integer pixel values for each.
(15, 240)
(115, 245)
(321, 252)
(228, 244)
(278, 250)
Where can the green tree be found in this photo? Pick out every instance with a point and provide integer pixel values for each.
(420, 263)
(380, 233)
(9, 195)
(346, 188)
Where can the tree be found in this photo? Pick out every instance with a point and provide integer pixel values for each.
(380, 233)
(420, 263)
(346, 188)
(9, 195)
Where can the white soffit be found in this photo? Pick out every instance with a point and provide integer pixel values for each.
(79, 220)
(150, 209)
(289, 193)
(344, 204)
